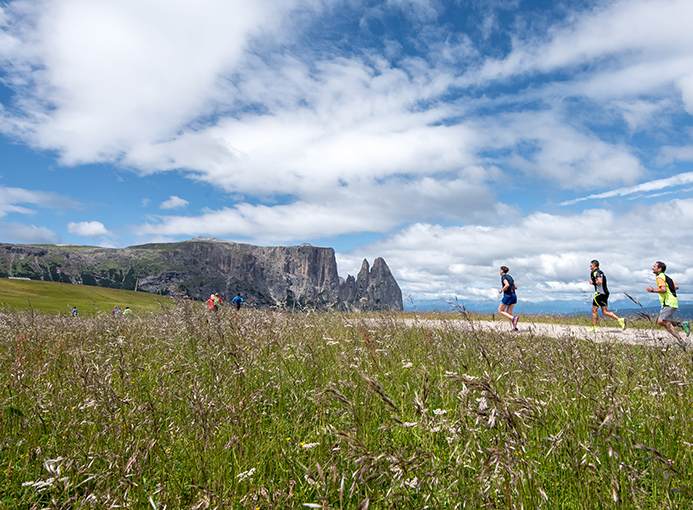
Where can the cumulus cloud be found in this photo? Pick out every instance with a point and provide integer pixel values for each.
(174, 202)
(548, 255)
(88, 228)
(369, 205)
(115, 73)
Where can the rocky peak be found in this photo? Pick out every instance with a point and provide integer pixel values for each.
(373, 289)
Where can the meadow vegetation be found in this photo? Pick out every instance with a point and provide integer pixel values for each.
(53, 297)
(189, 408)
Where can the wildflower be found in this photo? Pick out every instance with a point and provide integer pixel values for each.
(246, 475)
(308, 446)
(439, 412)
(39, 484)
(412, 483)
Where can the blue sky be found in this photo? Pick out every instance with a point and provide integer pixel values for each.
(449, 137)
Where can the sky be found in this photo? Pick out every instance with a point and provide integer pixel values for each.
(449, 137)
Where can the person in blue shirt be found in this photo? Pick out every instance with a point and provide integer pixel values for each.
(237, 301)
(509, 297)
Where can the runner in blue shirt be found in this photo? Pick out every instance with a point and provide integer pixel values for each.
(237, 301)
(509, 297)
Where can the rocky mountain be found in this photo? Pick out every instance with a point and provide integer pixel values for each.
(288, 277)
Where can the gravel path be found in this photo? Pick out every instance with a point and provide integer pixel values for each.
(657, 337)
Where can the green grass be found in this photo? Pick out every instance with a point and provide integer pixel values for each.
(52, 297)
(186, 408)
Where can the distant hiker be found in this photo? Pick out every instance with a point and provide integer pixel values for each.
(210, 302)
(75, 312)
(666, 288)
(127, 311)
(237, 301)
(217, 301)
(115, 310)
(601, 296)
(509, 297)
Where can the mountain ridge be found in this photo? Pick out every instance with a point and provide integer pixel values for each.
(302, 276)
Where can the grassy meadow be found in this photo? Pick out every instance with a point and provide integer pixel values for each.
(53, 297)
(188, 408)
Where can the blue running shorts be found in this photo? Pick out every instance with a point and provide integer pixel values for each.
(509, 299)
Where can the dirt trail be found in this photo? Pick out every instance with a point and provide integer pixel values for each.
(657, 337)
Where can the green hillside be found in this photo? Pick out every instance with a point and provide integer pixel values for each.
(52, 297)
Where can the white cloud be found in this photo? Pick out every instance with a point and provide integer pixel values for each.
(22, 233)
(548, 254)
(640, 114)
(365, 206)
(671, 154)
(635, 30)
(544, 146)
(88, 228)
(11, 198)
(114, 73)
(646, 187)
(174, 202)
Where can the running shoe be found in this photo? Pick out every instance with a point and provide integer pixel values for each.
(593, 329)
(686, 327)
(622, 323)
(515, 330)
(516, 318)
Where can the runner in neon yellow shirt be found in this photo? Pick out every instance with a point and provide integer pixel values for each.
(666, 288)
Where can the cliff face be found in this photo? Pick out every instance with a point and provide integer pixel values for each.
(287, 277)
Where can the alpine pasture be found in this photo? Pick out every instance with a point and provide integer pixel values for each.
(189, 408)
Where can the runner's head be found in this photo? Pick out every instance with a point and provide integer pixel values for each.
(594, 264)
(659, 267)
(504, 269)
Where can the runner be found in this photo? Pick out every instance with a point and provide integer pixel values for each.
(666, 288)
(509, 297)
(601, 296)
(210, 302)
(237, 301)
